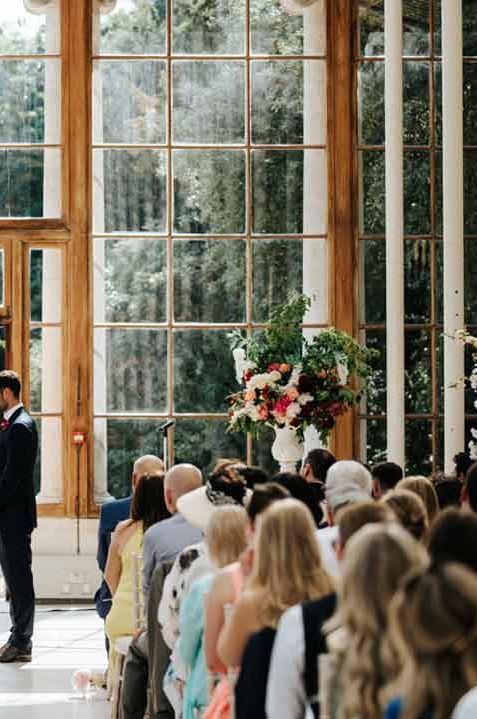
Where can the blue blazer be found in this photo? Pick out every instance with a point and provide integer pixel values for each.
(111, 514)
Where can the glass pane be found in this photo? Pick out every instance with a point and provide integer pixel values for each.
(209, 192)
(25, 33)
(129, 102)
(415, 28)
(438, 102)
(371, 103)
(439, 282)
(46, 376)
(373, 269)
(209, 281)
(214, 28)
(129, 191)
(470, 197)
(469, 14)
(373, 441)
(276, 32)
(418, 377)
(203, 442)
(25, 86)
(118, 444)
(2, 278)
(29, 183)
(416, 103)
(375, 402)
(289, 102)
(470, 282)
(373, 218)
(418, 447)
(133, 28)
(130, 370)
(417, 193)
(204, 371)
(262, 452)
(417, 289)
(470, 98)
(289, 191)
(130, 280)
(46, 285)
(50, 459)
(3, 346)
(37, 467)
(297, 264)
(209, 102)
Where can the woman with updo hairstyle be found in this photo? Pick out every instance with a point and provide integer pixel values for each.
(433, 620)
(424, 489)
(375, 560)
(410, 512)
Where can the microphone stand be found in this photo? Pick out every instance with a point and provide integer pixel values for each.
(164, 428)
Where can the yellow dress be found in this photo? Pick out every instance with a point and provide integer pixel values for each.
(119, 622)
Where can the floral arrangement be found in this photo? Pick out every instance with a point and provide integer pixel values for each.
(288, 380)
(471, 381)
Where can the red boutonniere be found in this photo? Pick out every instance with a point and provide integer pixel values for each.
(4, 424)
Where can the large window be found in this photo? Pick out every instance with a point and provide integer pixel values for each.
(210, 203)
(422, 222)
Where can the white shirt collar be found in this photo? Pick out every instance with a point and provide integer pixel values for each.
(12, 411)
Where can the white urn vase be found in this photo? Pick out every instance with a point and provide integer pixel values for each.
(287, 448)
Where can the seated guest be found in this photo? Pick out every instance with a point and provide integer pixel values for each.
(293, 679)
(424, 489)
(462, 463)
(287, 569)
(410, 512)
(111, 514)
(300, 489)
(453, 538)
(448, 490)
(385, 477)
(162, 543)
(376, 558)
(469, 490)
(433, 622)
(226, 590)
(315, 468)
(148, 507)
(225, 540)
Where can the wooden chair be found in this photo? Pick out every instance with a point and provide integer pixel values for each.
(121, 646)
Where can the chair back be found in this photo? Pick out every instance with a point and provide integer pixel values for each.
(138, 601)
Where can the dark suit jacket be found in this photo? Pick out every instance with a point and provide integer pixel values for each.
(18, 453)
(111, 514)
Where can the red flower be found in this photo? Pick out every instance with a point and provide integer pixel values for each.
(274, 367)
(4, 424)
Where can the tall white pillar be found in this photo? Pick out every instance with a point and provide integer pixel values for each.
(393, 41)
(100, 343)
(315, 196)
(453, 181)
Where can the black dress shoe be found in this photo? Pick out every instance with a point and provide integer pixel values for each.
(9, 654)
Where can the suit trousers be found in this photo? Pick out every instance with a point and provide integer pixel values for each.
(16, 560)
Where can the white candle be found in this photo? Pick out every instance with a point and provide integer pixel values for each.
(239, 359)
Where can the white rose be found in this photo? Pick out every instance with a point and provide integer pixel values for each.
(293, 410)
(304, 398)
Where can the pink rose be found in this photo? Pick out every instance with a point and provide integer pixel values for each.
(292, 393)
(263, 411)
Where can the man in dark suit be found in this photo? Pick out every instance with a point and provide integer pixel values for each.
(18, 452)
(111, 514)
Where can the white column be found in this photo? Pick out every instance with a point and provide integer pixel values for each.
(100, 379)
(315, 196)
(393, 41)
(453, 177)
(51, 490)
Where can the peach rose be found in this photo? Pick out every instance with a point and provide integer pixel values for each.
(292, 393)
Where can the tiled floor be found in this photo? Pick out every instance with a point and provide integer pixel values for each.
(65, 639)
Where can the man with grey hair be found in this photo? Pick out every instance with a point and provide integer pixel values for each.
(347, 482)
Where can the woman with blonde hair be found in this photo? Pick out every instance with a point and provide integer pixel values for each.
(424, 489)
(226, 539)
(287, 570)
(376, 559)
(433, 621)
(410, 512)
